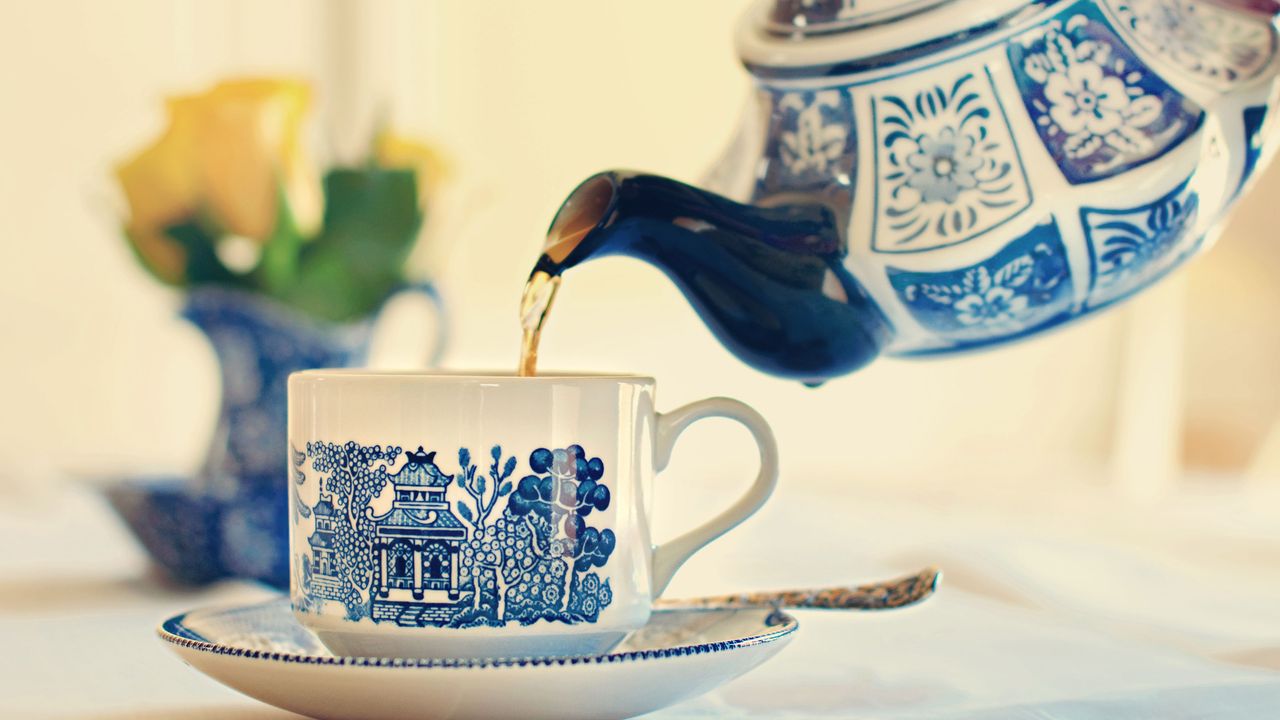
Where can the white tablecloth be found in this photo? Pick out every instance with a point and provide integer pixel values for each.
(1055, 606)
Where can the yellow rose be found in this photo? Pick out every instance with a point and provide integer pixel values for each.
(250, 144)
(227, 153)
(160, 186)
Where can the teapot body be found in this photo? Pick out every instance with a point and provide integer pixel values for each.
(993, 180)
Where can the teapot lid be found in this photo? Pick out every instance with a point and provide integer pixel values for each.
(805, 38)
(818, 17)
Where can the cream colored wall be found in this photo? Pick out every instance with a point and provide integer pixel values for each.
(528, 98)
(1233, 340)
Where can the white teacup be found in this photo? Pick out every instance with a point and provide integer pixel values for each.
(440, 515)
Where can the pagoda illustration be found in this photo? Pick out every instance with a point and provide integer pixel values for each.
(325, 582)
(416, 546)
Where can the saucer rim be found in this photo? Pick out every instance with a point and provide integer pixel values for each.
(167, 631)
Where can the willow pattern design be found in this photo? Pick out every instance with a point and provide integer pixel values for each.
(396, 539)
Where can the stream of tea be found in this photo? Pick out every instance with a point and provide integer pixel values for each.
(535, 303)
(574, 222)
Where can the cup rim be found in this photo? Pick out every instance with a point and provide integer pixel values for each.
(466, 375)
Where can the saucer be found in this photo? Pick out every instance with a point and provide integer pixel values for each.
(263, 652)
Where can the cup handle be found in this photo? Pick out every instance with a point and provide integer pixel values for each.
(668, 557)
(433, 352)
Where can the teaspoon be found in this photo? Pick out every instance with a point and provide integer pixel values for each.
(887, 595)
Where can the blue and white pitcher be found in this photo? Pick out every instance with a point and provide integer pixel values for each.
(231, 519)
(918, 177)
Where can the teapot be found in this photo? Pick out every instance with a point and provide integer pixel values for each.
(924, 177)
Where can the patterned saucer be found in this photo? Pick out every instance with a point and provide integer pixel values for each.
(263, 652)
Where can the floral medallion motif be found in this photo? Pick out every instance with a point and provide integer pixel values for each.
(946, 164)
(1208, 41)
(1130, 249)
(811, 146)
(1097, 108)
(1025, 285)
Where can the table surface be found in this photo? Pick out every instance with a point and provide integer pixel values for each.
(1054, 605)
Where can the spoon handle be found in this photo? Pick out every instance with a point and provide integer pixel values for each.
(897, 593)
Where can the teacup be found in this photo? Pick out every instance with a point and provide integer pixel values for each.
(464, 516)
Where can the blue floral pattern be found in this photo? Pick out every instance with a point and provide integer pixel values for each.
(1097, 107)
(1252, 118)
(1130, 249)
(1207, 41)
(454, 550)
(811, 147)
(947, 164)
(1025, 285)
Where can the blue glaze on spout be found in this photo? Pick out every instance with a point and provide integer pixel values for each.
(769, 282)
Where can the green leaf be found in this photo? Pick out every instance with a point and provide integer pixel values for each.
(203, 265)
(371, 220)
(278, 267)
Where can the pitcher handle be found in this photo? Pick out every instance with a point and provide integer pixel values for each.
(668, 557)
(426, 288)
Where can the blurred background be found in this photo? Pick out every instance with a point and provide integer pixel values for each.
(1155, 425)
(525, 100)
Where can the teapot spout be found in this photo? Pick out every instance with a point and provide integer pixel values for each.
(770, 282)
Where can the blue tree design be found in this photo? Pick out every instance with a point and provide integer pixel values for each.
(490, 552)
(296, 460)
(555, 503)
(483, 494)
(356, 475)
(506, 557)
(589, 596)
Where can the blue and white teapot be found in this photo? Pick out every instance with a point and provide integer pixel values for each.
(918, 177)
